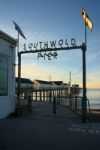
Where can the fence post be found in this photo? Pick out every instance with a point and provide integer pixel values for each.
(70, 102)
(29, 103)
(75, 103)
(54, 105)
(50, 97)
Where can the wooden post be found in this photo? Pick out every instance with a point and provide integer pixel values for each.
(50, 95)
(44, 96)
(61, 96)
(40, 96)
(54, 105)
(36, 95)
(29, 103)
(75, 103)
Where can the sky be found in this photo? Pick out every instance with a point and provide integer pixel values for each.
(48, 20)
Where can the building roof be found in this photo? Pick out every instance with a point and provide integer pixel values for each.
(75, 85)
(57, 82)
(65, 83)
(7, 37)
(42, 82)
(24, 80)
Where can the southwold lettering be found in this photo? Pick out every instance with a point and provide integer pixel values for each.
(51, 44)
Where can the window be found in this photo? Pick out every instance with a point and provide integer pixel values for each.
(3, 75)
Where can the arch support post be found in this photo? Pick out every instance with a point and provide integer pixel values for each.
(84, 98)
(19, 78)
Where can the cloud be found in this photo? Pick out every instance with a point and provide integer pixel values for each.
(93, 79)
(37, 72)
(92, 56)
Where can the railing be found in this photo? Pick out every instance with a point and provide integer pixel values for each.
(57, 99)
(72, 103)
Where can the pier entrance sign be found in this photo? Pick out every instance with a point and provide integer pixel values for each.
(49, 50)
(44, 49)
(50, 44)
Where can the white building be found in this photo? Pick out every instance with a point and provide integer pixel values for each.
(58, 84)
(42, 85)
(26, 87)
(7, 74)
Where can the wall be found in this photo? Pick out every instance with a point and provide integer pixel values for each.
(7, 102)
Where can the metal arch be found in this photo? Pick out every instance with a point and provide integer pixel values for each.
(83, 48)
(50, 49)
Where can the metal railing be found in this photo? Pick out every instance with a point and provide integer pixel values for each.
(72, 103)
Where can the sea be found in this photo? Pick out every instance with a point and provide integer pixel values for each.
(93, 95)
(94, 98)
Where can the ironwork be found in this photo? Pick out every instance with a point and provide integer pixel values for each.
(51, 44)
(82, 47)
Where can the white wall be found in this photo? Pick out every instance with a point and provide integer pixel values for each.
(7, 103)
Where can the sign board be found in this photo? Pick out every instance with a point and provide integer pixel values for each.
(47, 45)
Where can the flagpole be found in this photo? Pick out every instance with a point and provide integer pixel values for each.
(18, 43)
(88, 23)
(84, 100)
(86, 35)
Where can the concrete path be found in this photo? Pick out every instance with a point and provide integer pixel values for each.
(43, 132)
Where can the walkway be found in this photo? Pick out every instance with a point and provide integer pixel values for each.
(48, 132)
(38, 132)
(46, 109)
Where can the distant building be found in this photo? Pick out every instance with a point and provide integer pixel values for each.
(75, 85)
(26, 88)
(65, 85)
(7, 74)
(58, 84)
(75, 88)
(41, 84)
(26, 84)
